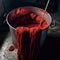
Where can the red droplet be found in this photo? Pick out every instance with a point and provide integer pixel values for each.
(11, 48)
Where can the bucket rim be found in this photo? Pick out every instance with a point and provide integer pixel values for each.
(24, 7)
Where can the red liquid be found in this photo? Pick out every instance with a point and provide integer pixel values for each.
(28, 31)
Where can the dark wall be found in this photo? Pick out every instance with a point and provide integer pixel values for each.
(10, 4)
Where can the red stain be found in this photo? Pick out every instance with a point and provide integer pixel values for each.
(12, 47)
(31, 23)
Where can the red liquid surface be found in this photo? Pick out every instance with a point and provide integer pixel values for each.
(28, 32)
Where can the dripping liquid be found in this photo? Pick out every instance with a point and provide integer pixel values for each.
(28, 33)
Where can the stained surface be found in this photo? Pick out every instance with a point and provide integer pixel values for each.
(5, 54)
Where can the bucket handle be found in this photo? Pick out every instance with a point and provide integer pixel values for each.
(53, 23)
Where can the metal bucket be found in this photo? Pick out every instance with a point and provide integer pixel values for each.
(37, 11)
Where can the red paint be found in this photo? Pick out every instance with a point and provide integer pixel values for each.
(32, 31)
(31, 23)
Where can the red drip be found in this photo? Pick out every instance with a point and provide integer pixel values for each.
(32, 31)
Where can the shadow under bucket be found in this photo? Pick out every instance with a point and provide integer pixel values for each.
(17, 18)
